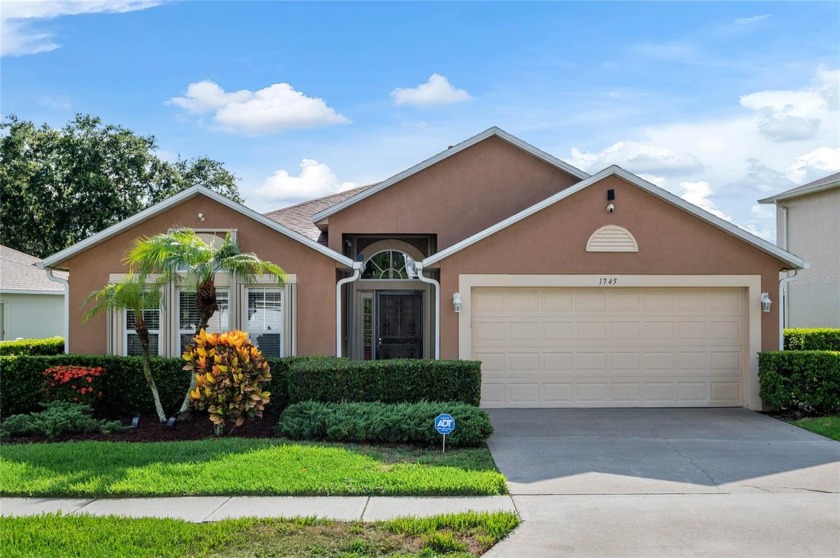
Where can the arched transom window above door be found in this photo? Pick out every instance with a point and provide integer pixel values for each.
(390, 264)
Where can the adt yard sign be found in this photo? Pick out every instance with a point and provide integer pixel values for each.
(444, 424)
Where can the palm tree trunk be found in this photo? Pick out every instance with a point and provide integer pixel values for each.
(143, 334)
(207, 305)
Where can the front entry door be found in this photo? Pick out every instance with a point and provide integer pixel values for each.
(399, 324)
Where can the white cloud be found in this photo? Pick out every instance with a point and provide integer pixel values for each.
(792, 115)
(436, 91)
(700, 194)
(21, 35)
(315, 180)
(271, 109)
(815, 164)
(638, 158)
(753, 19)
(655, 180)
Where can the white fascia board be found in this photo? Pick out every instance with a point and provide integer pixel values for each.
(726, 226)
(490, 132)
(30, 292)
(799, 193)
(177, 199)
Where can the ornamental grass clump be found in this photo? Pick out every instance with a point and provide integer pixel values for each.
(229, 373)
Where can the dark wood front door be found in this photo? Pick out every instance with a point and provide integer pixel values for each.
(399, 324)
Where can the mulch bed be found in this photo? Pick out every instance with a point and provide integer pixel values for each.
(150, 430)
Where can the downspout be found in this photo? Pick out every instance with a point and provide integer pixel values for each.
(357, 272)
(783, 307)
(66, 284)
(429, 280)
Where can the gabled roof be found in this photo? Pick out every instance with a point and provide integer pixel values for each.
(177, 199)
(18, 274)
(782, 255)
(819, 185)
(490, 132)
(299, 217)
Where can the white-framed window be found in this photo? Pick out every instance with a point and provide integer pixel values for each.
(264, 307)
(188, 316)
(131, 340)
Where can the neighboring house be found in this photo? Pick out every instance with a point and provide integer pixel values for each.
(808, 224)
(31, 306)
(573, 290)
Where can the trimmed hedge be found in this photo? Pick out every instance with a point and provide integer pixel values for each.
(388, 381)
(801, 381)
(812, 339)
(400, 423)
(48, 346)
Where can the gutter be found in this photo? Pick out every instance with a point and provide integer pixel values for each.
(66, 284)
(357, 272)
(784, 307)
(436, 284)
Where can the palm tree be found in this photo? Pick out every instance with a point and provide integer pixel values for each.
(135, 294)
(183, 257)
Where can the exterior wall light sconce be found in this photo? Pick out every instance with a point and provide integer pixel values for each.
(610, 200)
(201, 217)
(456, 302)
(765, 302)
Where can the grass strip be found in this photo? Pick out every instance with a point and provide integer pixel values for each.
(828, 426)
(238, 466)
(465, 534)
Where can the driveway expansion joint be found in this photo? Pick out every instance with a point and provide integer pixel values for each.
(217, 508)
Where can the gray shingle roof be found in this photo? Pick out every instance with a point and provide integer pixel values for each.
(824, 183)
(299, 217)
(18, 273)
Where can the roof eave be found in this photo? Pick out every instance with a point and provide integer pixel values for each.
(791, 195)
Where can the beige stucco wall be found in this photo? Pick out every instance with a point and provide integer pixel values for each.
(32, 316)
(813, 234)
(455, 198)
(553, 241)
(316, 273)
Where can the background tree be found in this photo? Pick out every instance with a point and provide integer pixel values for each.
(183, 257)
(60, 186)
(133, 293)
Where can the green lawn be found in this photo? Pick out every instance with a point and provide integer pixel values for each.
(469, 534)
(239, 466)
(824, 426)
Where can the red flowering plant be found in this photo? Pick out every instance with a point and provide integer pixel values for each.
(79, 384)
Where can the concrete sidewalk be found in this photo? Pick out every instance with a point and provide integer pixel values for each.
(200, 509)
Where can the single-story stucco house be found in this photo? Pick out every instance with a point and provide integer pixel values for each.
(573, 290)
(31, 306)
(808, 223)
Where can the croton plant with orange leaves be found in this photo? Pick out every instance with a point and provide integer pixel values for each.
(229, 372)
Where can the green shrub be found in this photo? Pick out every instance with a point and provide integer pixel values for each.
(48, 346)
(800, 381)
(124, 390)
(812, 339)
(400, 423)
(388, 381)
(59, 418)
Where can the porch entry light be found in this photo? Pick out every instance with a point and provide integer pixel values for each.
(456, 302)
(765, 302)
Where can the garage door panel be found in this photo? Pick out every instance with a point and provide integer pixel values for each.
(593, 347)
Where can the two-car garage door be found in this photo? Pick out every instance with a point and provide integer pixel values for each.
(609, 347)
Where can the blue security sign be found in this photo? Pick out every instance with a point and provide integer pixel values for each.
(444, 424)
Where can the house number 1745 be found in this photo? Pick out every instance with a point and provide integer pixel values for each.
(608, 281)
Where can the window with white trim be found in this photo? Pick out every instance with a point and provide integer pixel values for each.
(265, 319)
(188, 315)
(131, 341)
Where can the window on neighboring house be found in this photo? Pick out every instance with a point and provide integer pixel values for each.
(265, 319)
(188, 315)
(132, 339)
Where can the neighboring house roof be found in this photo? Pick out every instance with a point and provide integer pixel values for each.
(18, 274)
(614, 170)
(826, 183)
(177, 199)
(490, 132)
(299, 217)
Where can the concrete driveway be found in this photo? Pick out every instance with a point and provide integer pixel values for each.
(666, 482)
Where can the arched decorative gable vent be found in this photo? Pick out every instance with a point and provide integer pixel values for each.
(612, 239)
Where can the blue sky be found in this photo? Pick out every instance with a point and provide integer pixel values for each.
(721, 103)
